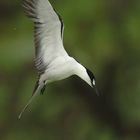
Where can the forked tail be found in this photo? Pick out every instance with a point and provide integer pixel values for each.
(37, 90)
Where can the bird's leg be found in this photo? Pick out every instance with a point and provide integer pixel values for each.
(43, 89)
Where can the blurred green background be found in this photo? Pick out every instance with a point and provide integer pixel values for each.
(105, 37)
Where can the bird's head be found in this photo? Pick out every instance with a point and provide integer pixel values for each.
(91, 80)
(86, 75)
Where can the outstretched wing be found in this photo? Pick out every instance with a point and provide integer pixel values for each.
(48, 32)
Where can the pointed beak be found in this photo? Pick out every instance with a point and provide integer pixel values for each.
(96, 90)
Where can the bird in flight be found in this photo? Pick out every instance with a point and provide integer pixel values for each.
(51, 59)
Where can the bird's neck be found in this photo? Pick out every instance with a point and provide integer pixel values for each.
(82, 73)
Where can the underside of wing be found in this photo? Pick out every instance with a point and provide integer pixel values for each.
(48, 32)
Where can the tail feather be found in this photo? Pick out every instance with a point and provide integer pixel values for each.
(35, 93)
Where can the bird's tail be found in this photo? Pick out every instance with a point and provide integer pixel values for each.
(37, 90)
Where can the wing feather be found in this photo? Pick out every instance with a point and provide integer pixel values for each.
(48, 32)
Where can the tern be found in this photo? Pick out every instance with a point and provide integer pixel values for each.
(51, 59)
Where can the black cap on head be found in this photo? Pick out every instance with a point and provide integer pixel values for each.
(91, 75)
(92, 78)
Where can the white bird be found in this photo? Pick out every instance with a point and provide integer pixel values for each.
(52, 61)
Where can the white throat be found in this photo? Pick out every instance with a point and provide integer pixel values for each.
(81, 72)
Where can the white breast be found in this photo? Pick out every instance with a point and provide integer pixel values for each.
(60, 68)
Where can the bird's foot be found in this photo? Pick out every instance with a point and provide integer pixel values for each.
(42, 90)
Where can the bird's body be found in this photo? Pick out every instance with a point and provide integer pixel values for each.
(52, 61)
(59, 69)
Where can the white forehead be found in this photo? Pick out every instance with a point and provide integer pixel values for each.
(93, 81)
